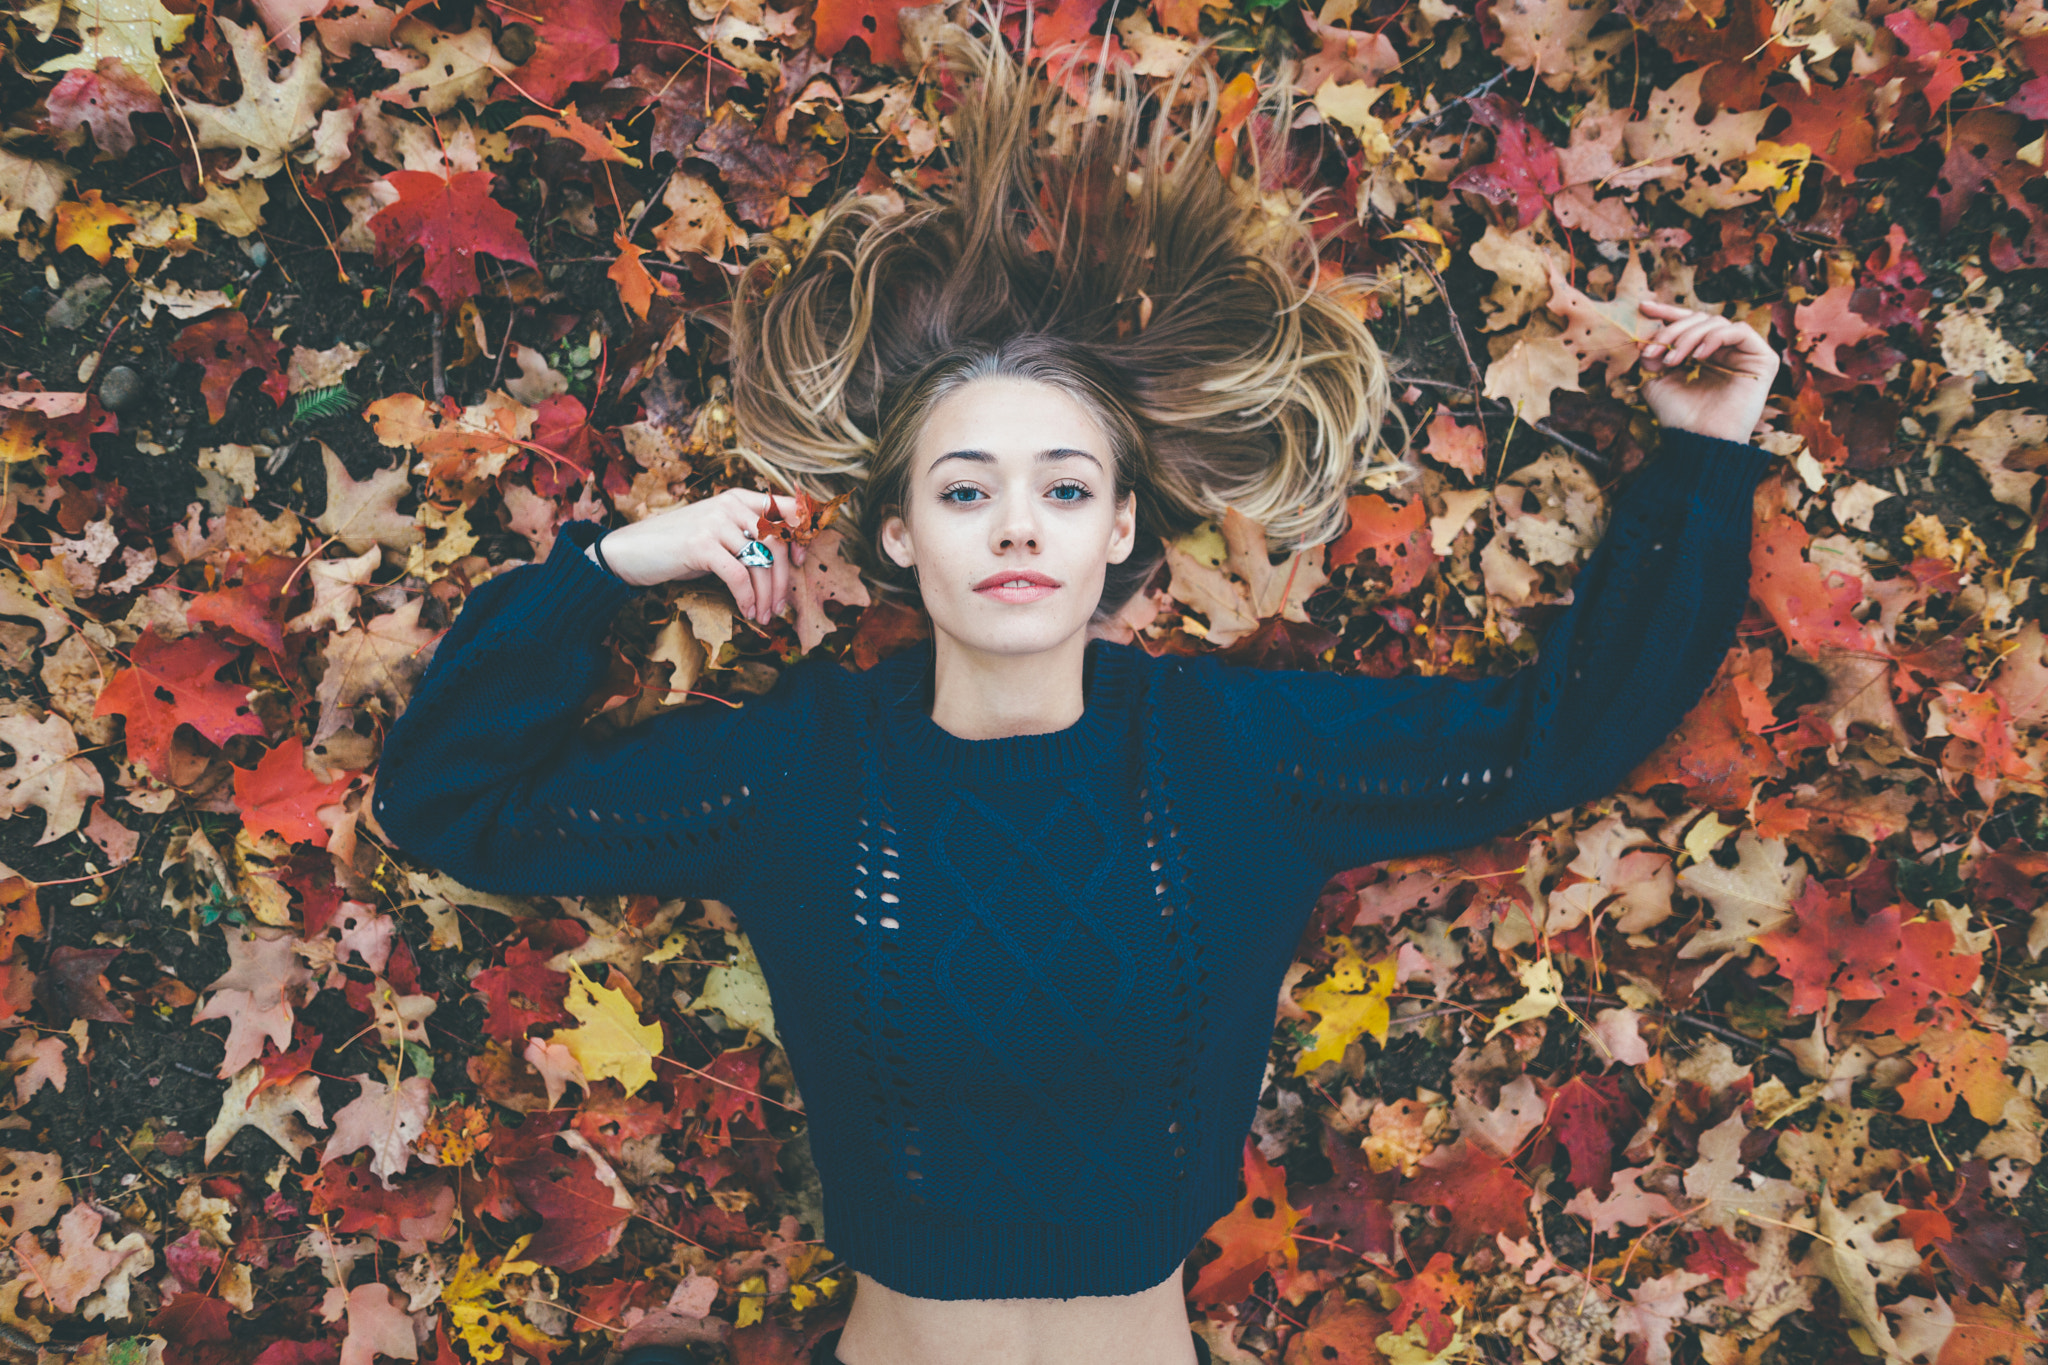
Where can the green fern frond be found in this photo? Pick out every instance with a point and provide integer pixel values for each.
(317, 405)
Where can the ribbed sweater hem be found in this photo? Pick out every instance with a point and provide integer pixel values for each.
(997, 1259)
(1726, 472)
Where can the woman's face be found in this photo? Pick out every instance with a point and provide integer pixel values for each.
(1011, 477)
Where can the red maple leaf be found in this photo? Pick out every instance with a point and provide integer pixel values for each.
(872, 21)
(416, 1209)
(1396, 533)
(579, 1222)
(447, 221)
(1811, 605)
(1587, 1112)
(280, 795)
(1251, 1235)
(1524, 170)
(1830, 950)
(172, 683)
(731, 1085)
(1484, 1195)
(1923, 984)
(1428, 1297)
(282, 1068)
(227, 347)
(522, 993)
(251, 608)
(573, 40)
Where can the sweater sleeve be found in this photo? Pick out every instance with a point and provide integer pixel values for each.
(1358, 770)
(486, 775)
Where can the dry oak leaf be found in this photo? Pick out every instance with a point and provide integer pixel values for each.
(87, 223)
(1669, 128)
(1531, 369)
(255, 994)
(364, 514)
(760, 178)
(47, 773)
(81, 1264)
(385, 1118)
(441, 68)
(698, 223)
(1753, 897)
(1222, 572)
(42, 1063)
(272, 117)
(32, 1189)
(377, 1324)
(609, 1040)
(281, 1111)
(382, 659)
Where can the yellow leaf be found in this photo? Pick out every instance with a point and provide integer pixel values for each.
(480, 1317)
(129, 31)
(753, 1294)
(610, 1039)
(85, 223)
(1545, 991)
(1348, 1003)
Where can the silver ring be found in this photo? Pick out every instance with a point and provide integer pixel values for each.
(756, 555)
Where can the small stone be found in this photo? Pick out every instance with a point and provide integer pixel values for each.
(80, 301)
(257, 252)
(120, 389)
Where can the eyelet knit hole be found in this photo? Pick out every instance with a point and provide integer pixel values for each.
(1173, 1127)
(863, 895)
(1167, 911)
(892, 874)
(1180, 1151)
(859, 916)
(889, 922)
(891, 897)
(912, 1151)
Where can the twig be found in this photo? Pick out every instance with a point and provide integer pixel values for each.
(1690, 1019)
(1582, 451)
(1457, 328)
(440, 371)
(510, 321)
(99, 361)
(1472, 94)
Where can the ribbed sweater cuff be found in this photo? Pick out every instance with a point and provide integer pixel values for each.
(570, 599)
(1725, 473)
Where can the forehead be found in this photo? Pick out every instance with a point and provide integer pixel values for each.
(1010, 418)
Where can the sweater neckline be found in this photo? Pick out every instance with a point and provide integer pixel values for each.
(903, 685)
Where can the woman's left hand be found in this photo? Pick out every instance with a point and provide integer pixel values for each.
(1725, 399)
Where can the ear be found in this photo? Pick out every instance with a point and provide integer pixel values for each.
(1124, 530)
(895, 540)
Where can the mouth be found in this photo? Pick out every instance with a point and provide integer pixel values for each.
(1024, 587)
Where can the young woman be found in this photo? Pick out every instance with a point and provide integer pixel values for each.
(1024, 894)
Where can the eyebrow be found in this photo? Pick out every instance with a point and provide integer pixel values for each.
(1044, 456)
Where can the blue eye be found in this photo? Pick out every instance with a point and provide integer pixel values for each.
(1081, 488)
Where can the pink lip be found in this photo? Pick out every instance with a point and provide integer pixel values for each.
(1030, 594)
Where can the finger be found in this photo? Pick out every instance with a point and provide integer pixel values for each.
(1671, 333)
(1700, 343)
(782, 576)
(734, 575)
(1663, 346)
(764, 593)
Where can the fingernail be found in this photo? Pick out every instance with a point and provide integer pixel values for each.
(1653, 348)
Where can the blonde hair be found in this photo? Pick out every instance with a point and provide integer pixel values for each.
(1163, 296)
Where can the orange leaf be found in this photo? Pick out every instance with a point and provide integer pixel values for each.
(85, 223)
(1251, 1234)
(597, 145)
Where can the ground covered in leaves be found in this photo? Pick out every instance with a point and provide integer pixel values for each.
(320, 312)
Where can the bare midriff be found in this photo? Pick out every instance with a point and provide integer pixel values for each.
(1146, 1328)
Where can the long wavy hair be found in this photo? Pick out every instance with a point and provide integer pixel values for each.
(1175, 303)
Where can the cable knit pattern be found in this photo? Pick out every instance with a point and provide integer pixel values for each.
(1027, 984)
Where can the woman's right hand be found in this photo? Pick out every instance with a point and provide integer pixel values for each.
(706, 537)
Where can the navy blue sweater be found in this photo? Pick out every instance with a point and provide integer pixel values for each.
(1027, 985)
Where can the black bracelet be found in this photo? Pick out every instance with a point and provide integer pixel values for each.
(597, 548)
